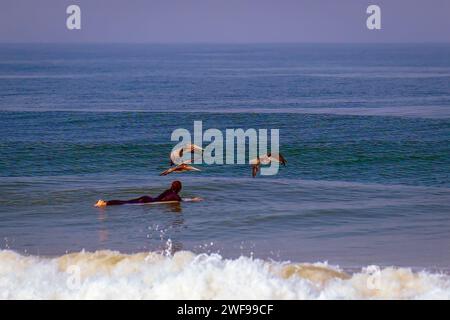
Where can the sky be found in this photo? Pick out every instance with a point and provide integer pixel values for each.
(225, 21)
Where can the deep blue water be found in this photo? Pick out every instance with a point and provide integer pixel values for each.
(365, 130)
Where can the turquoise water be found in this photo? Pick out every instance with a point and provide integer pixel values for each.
(365, 130)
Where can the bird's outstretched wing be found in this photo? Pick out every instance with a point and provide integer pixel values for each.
(279, 158)
(166, 172)
(255, 169)
(187, 167)
(179, 168)
(177, 154)
(255, 166)
(195, 148)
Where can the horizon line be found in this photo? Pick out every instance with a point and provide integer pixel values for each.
(221, 43)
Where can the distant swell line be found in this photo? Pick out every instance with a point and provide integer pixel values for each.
(431, 112)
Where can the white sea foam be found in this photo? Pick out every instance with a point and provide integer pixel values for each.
(112, 275)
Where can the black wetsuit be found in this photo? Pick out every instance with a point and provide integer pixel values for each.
(168, 195)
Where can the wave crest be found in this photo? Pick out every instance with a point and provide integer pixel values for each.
(185, 275)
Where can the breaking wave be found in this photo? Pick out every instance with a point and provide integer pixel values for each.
(185, 275)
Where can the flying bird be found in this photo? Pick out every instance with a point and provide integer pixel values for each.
(266, 159)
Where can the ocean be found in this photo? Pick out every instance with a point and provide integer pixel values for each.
(360, 211)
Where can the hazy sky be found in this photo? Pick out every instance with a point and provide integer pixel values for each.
(225, 21)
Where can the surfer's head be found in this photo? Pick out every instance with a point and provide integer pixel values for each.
(176, 186)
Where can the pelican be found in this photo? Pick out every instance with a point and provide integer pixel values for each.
(184, 166)
(177, 154)
(266, 159)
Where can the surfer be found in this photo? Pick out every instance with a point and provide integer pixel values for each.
(170, 195)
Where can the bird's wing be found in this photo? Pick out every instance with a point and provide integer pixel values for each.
(170, 170)
(194, 148)
(179, 168)
(282, 160)
(186, 167)
(255, 169)
(175, 156)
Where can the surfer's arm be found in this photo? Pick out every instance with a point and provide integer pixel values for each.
(115, 202)
(195, 199)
